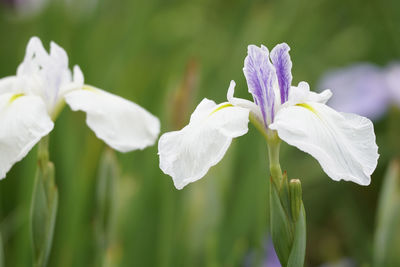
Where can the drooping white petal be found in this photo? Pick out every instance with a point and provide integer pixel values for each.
(122, 124)
(188, 154)
(23, 122)
(343, 143)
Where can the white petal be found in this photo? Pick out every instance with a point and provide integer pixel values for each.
(76, 83)
(343, 143)
(58, 54)
(78, 75)
(244, 103)
(35, 56)
(302, 93)
(188, 154)
(45, 74)
(23, 122)
(122, 124)
(9, 84)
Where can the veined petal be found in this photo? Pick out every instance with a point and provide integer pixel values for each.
(24, 121)
(188, 154)
(261, 77)
(283, 65)
(343, 143)
(122, 124)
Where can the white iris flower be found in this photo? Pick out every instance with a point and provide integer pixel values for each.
(31, 100)
(343, 143)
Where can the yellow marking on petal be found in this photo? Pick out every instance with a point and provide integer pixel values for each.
(89, 88)
(307, 106)
(14, 97)
(221, 107)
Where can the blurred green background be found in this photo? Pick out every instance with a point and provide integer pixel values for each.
(166, 56)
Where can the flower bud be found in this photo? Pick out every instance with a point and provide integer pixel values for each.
(295, 193)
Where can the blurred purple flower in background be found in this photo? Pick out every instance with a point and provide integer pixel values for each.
(269, 257)
(393, 81)
(363, 88)
(22, 9)
(272, 259)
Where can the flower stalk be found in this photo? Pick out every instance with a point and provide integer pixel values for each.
(273, 154)
(287, 215)
(44, 206)
(105, 205)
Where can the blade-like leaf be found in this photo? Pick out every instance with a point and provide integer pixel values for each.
(281, 231)
(105, 202)
(43, 213)
(297, 255)
(388, 218)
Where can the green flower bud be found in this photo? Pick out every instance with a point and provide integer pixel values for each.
(295, 193)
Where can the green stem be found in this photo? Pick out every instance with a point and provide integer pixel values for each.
(273, 154)
(106, 195)
(44, 206)
(43, 152)
(273, 142)
(286, 210)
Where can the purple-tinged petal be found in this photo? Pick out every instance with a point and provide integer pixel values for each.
(283, 65)
(360, 89)
(260, 76)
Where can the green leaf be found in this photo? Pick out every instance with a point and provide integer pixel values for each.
(388, 219)
(1, 252)
(281, 231)
(43, 213)
(298, 252)
(284, 195)
(105, 202)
